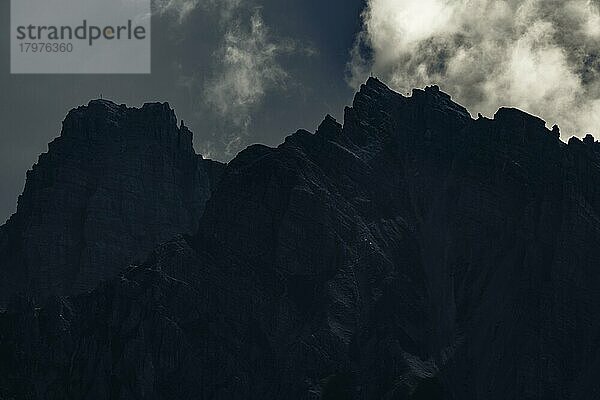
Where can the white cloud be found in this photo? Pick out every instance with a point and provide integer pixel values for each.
(180, 8)
(539, 55)
(248, 67)
(244, 68)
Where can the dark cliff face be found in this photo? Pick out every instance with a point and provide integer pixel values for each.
(115, 184)
(412, 253)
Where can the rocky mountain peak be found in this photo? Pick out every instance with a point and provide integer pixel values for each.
(411, 252)
(329, 128)
(104, 120)
(117, 182)
(519, 119)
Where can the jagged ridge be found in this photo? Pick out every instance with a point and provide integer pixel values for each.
(116, 183)
(412, 253)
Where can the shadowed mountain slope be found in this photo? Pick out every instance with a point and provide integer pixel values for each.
(410, 253)
(115, 184)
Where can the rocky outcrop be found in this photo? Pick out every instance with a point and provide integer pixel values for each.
(410, 253)
(116, 183)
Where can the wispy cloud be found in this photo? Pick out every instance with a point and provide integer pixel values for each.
(179, 8)
(244, 68)
(539, 55)
(248, 68)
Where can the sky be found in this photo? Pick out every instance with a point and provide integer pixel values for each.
(253, 71)
(237, 72)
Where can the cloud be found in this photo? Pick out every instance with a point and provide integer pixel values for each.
(183, 8)
(539, 55)
(248, 68)
(243, 64)
(179, 8)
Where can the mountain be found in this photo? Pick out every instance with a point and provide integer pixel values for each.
(116, 183)
(411, 253)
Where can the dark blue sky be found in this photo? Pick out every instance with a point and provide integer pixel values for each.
(312, 40)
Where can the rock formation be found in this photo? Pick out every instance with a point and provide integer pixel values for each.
(116, 183)
(410, 253)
